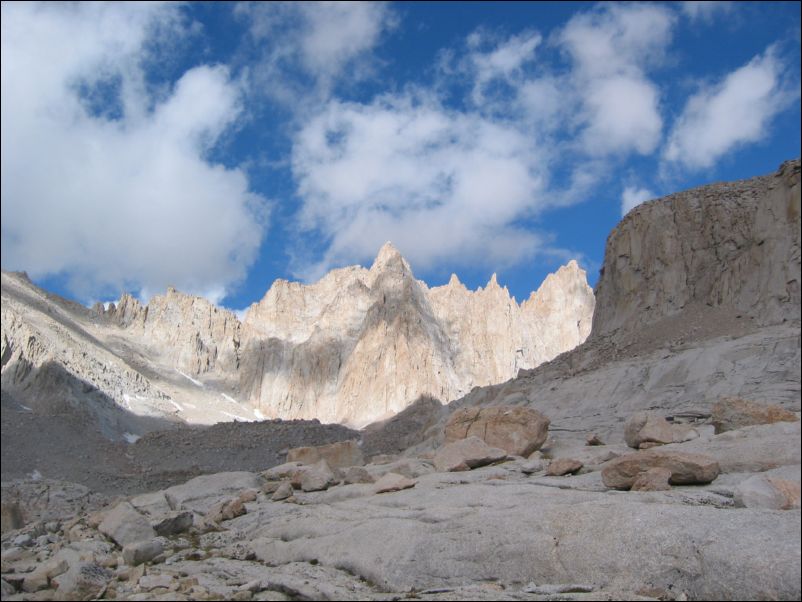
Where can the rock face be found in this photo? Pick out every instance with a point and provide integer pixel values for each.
(734, 244)
(358, 346)
(361, 344)
(517, 430)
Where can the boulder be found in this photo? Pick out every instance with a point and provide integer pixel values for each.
(282, 493)
(282, 471)
(654, 479)
(124, 525)
(84, 581)
(686, 469)
(563, 466)
(201, 493)
(142, 551)
(517, 430)
(173, 523)
(731, 413)
(646, 427)
(762, 491)
(225, 510)
(337, 455)
(393, 482)
(466, 454)
(151, 504)
(593, 439)
(357, 474)
(317, 477)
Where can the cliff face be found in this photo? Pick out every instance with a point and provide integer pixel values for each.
(362, 344)
(357, 346)
(731, 245)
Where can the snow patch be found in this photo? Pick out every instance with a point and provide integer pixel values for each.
(36, 475)
(188, 377)
(176, 405)
(127, 400)
(26, 408)
(131, 438)
(235, 417)
(229, 398)
(190, 405)
(259, 415)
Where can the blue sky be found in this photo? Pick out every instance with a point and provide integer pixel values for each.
(216, 147)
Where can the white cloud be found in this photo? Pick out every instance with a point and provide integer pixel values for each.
(325, 40)
(738, 110)
(102, 182)
(706, 11)
(503, 62)
(610, 49)
(634, 196)
(442, 185)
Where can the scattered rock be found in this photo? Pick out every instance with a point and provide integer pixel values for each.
(515, 429)
(269, 487)
(247, 496)
(282, 493)
(761, 491)
(357, 474)
(225, 510)
(83, 581)
(282, 471)
(654, 479)
(337, 455)
(594, 439)
(393, 482)
(646, 427)
(174, 523)
(151, 582)
(534, 465)
(686, 469)
(731, 413)
(466, 454)
(563, 466)
(142, 551)
(125, 525)
(317, 477)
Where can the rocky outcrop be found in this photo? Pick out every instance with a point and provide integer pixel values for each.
(517, 430)
(734, 244)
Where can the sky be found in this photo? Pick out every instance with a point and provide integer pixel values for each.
(216, 147)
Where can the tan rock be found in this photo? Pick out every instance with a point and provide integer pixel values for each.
(761, 491)
(357, 474)
(337, 455)
(646, 427)
(731, 413)
(282, 492)
(686, 469)
(593, 439)
(393, 482)
(563, 466)
(247, 496)
(225, 510)
(517, 430)
(466, 454)
(654, 479)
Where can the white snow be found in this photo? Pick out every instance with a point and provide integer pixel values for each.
(190, 405)
(235, 417)
(259, 415)
(177, 406)
(131, 438)
(188, 377)
(36, 475)
(26, 408)
(231, 399)
(127, 400)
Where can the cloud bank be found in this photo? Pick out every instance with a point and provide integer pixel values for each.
(105, 181)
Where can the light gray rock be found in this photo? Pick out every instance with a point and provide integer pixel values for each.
(142, 551)
(83, 581)
(647, 427)
(357, 474)
(151, 504)
(201, 493)
(773, 493)
(173, 523)
(124, 525)
(466, 454)
(317, 477)
(282, 493)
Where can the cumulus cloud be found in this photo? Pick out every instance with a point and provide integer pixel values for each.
(634, 196)
(442, 185)
(736, 111)
(103, 182)
(611, 48)
(306, 47)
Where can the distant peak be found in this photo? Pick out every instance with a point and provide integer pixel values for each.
(493, 281)
(454, 280)
(390, 257)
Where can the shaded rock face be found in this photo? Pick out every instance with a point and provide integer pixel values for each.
(733, 244)
(517, 430)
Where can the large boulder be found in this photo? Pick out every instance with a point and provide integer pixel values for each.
(646, 427)
(337, 455)
(762, 491)
(201, 493)
(517, 430)
(317, 477)
(686, 469)
(466, 454)
(84, 581)
(731, 413)
(125, 525)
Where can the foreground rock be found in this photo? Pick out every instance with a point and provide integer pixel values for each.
(517, 430)
(393, 482)
(466, 454)
(125, 525)
(646, 427)
(773, 493)
(563, 466)
(731, 413)
(686, 469)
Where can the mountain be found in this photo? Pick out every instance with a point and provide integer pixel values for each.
(359, 345)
